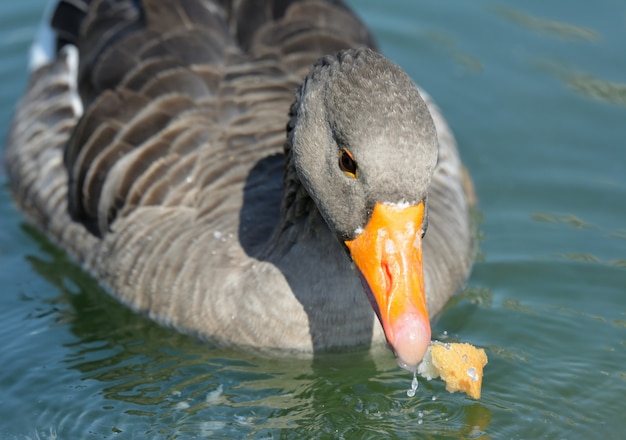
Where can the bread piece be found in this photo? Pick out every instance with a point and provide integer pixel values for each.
(460, 365)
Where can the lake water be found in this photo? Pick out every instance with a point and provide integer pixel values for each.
(536, 94)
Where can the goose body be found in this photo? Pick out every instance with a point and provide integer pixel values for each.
(159, 144)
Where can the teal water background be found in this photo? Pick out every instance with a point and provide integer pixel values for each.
(536, 95)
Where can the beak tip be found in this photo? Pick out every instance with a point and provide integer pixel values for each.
(410, 341)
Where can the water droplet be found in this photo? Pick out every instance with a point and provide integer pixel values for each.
(217, 235)
(434, 398)
(473, 375)
(420, 421)
(414, 385)
(464, 358)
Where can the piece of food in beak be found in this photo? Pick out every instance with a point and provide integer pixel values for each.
(388, 254)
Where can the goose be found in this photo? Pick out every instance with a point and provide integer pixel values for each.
(255, 174)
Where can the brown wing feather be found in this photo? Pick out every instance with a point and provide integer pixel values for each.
(164, 68)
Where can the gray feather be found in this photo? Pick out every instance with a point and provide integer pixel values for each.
(181, 191)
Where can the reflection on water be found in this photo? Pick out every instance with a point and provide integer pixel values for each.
(565, 219)
(548, 27)
(584, 83)
(511, 356)
(578, 223)
(596, 88)
(587, 84)
(158, 383)
(476, 295)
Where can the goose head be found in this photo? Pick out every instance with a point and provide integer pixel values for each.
(364, 147)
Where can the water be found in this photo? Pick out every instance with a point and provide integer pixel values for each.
(536, 94)
(414, 384)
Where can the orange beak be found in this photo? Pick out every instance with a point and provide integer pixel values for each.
(388, 254)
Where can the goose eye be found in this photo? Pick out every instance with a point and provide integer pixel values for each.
(347, 163)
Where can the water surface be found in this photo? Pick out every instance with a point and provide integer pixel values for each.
(536, 94)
